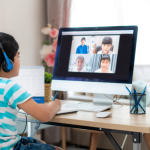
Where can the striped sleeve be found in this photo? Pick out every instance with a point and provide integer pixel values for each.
(14, 94)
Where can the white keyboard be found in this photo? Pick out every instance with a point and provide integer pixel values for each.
(86, 107)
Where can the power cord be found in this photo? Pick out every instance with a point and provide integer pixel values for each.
(25, 126)
(118, 98)
(114, 100)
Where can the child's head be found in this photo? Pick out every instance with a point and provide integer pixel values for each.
(105, 62)
(10, 46)
(106, 44)
(83, 41)
(80, 62)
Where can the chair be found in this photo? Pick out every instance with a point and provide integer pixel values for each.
(99, 48)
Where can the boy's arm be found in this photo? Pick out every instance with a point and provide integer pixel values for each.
(43, 114)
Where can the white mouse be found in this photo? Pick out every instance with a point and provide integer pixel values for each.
(103, 114)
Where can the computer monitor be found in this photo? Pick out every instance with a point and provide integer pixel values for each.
(95, 59)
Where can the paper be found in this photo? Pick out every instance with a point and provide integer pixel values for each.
(66, 110)
(31, 79)
(62, 111)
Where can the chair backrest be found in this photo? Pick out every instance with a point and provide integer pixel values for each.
(99, 48)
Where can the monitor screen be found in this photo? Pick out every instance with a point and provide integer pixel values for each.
(99, 54)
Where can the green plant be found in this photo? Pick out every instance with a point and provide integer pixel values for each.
(48, 77)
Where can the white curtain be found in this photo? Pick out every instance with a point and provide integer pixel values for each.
(88, 13)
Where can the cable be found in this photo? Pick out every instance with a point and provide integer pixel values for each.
(25, 126)
(118, 98)
(114, 99)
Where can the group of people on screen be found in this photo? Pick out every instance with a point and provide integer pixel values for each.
(104, 64)
(104, 53)
(105, 46)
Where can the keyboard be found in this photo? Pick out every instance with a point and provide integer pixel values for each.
(86, 107)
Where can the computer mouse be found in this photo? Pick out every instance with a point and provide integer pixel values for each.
(103, 114)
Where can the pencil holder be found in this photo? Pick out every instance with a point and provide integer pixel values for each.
(137, 103)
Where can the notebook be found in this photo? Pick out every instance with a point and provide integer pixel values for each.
(31, 78)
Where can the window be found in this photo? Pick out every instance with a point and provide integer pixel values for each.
(88, 13)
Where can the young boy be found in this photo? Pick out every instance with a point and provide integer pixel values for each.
(82, 49)
(12, 97)
(104, 64)
(106, 45)
(79, 64)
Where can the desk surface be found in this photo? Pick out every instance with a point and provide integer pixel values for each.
(121, 119)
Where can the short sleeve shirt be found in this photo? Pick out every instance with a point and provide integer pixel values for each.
(101, 52)
(75, 70)
(11, 94)
(100, 71)
(82, 49)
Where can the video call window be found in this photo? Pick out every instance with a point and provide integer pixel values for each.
(80, 63)
(104, 63)
(107, 44)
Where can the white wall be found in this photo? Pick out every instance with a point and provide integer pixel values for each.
(24, 19)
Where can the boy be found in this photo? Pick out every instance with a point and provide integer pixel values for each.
(12, 97)
(106, 45)
(82, 49)
(79, 64)
(104, 64)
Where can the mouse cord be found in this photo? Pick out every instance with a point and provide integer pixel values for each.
(25, 126)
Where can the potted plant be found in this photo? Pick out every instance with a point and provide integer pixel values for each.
(48, 91)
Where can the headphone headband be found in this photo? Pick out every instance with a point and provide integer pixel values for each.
(1, 47)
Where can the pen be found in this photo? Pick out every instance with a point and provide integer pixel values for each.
(135, 95)
(129, 91)
(141, 95)
(55, 96)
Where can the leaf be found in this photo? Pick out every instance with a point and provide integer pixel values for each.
(48, 77)
(43, 62)
(46, 43)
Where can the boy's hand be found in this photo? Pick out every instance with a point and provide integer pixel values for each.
(57, 102)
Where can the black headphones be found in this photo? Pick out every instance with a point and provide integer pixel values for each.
(8, 64)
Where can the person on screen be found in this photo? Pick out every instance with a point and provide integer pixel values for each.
(79, 64)
(82, 49)
(104, 64)
(106, 46)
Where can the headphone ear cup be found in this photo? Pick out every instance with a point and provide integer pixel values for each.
(5, 65)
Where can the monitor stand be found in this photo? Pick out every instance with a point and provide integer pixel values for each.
(101, 99)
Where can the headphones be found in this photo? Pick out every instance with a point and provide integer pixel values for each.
(8, 64)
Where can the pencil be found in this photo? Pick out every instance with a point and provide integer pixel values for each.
(55, 96)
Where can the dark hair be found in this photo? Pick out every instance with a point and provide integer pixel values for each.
(105, 56)
(83, 39)
(107, 40)
(80, 57)
(10, 47)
